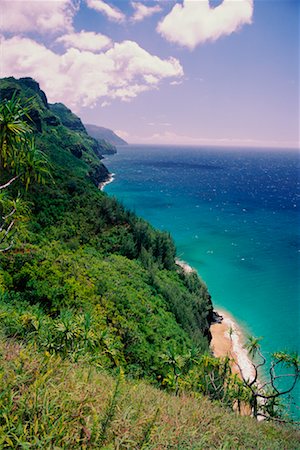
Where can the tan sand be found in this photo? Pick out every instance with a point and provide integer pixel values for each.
(228, 340)
(224, 345)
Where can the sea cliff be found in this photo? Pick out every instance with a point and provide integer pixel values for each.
(131, 286)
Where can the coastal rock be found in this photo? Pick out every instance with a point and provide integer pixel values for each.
(215, 317)
(99, 174)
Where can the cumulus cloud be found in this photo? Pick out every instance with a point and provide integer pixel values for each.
(85, 40)
(109, 11)
(82, 78)
(142, 11)
(195, 22)
(36, 15)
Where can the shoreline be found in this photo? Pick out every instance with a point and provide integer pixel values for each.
(109, 180)
(185, 266)
(222, 344)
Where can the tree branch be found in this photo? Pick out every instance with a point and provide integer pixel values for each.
(10, 214)
(277, 419)
(10, 182)
(2, 250)
(7, 231)
(257, 366)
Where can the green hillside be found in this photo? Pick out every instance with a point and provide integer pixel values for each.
(89, 291)
(101, 133)
(84, 253)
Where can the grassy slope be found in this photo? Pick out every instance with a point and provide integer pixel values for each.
(48, 403)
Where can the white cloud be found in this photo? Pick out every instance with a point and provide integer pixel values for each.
(142, 11)
(109, 11)
(82, 78)
(176, 83)
(36, 15)
(195, 22)
(85, 40)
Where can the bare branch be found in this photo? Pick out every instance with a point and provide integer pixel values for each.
(7, 231)
(256, 366)
(3, 186)
(278, 393)
(277, 419)
(2, 250)
(10, 214)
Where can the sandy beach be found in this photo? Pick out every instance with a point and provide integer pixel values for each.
(224, 345)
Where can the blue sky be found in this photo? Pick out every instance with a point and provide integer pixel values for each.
(173, 72)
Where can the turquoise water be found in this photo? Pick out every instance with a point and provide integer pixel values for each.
(235, 216)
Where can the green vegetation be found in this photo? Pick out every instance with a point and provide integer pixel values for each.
(88, 289)
(85, 254)
(20, 161)
(265, 397)
(48, 403)
(101, 133)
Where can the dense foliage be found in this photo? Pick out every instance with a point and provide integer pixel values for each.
(91, 277)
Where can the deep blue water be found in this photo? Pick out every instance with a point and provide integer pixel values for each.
(235, 217)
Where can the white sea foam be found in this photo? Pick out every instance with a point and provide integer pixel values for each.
(234, 333)
(240, 354)
(185, 266)
(109, 180)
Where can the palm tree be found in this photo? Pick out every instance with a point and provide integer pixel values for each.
(253, 345)
(18, 154)
(19, 160)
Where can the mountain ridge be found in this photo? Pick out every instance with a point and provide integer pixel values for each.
(99, 132)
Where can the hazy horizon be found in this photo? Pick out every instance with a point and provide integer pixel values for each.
(212, 146)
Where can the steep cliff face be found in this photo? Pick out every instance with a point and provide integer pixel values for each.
(86, 253)
(68, 119)
(35, 87)
(57, 123)
(105, 135)
(21, 86)
(74, 123)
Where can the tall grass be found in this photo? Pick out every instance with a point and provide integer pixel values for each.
(50, 403)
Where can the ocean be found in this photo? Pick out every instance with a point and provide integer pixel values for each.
(235, 217)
